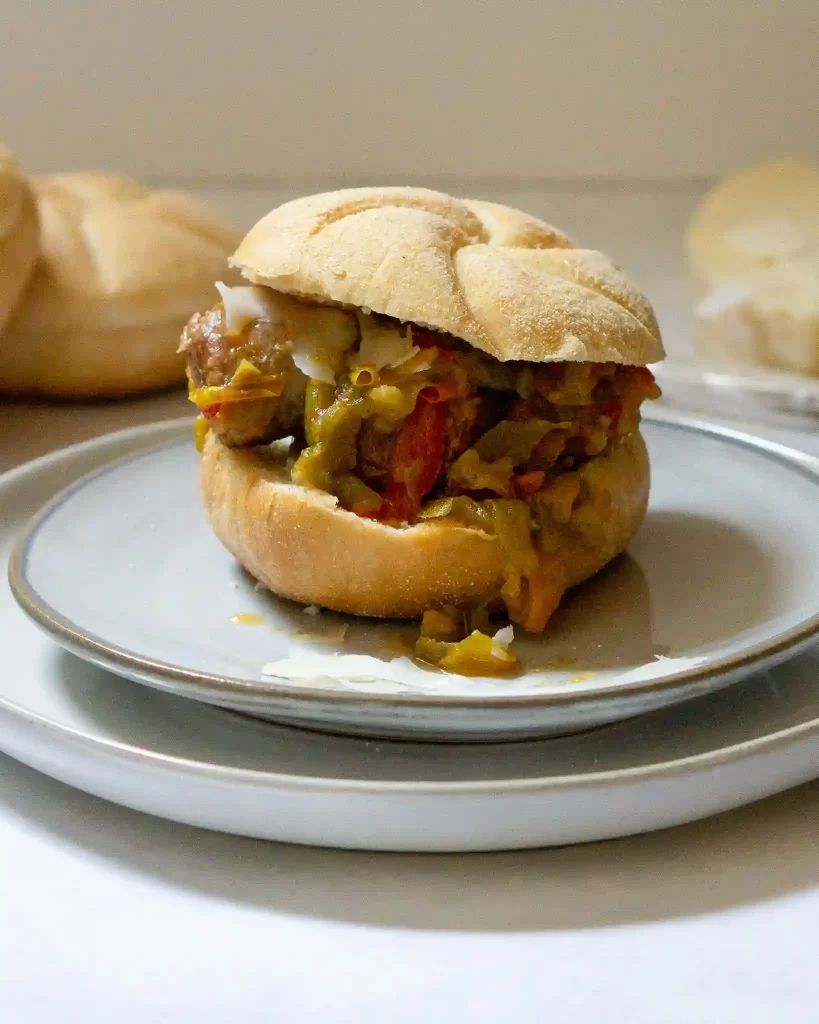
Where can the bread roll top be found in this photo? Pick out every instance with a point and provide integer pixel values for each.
(506, 282)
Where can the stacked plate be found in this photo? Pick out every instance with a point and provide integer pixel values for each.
(251, 717)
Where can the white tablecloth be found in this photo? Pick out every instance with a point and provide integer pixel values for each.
(110, 916)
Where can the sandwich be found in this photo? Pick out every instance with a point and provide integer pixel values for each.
(423, 407)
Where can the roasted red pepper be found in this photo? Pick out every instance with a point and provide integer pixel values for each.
(416, 460)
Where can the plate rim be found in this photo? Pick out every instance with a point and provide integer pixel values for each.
(766, 743)
(113, 657)
(706, 760)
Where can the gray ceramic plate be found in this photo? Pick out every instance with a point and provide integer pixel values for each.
(722, 580)
(184, 760)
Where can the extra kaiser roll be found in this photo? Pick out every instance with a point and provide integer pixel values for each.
(753, 248)
(18, 234)
(120, 269)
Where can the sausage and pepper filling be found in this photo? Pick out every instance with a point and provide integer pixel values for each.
(405, 424)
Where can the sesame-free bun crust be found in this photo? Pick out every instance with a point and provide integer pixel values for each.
(504, 281)
(18, 234)
(303, 546)
(120, 270)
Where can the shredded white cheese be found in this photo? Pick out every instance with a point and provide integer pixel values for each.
(340, 667)
(319, 341)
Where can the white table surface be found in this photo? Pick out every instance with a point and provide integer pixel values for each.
(109, 916)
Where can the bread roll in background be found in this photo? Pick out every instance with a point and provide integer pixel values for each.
(18, 234)
(753, 248)
(120, 269)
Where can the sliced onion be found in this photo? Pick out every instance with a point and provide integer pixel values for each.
(246, 303)
(504, 636)
(319, 341)
(382, 346)
(309, 361)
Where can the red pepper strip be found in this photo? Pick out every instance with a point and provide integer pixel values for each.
(528, 484)
(211, 411)
(396, 505)
(416, 460)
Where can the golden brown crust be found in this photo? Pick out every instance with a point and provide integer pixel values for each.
(301, 545)
(120, 270)
(18, 234)
(504, 281)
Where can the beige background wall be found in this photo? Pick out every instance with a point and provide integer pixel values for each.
(642, 89)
